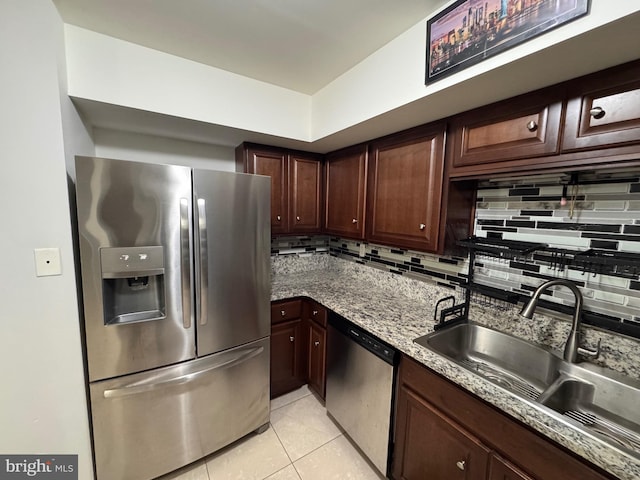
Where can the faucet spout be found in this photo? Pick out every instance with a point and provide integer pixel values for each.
(572, 344)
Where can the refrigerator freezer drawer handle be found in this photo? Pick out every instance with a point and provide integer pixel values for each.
(204, 261)
(185, 259)
(148, 386)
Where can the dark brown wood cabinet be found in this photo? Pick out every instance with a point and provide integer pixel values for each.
(436, 418)
(501, 469)
(305, 180)
(296, 185)
(604, 110)
(298, 346)
(288, 347)
(405, 188)
(432, 446)
(521, 128)
(345, 192)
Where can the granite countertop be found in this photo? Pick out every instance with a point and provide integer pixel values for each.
(397, 314)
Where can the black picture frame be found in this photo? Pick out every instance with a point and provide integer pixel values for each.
(468, 31)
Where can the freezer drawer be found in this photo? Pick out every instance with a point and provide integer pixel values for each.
(151, 423)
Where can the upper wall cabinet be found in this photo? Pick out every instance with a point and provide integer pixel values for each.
(525, 127)
(404, 191)
(296, 185)
(345, 186)
(305, 180)
(603, 110)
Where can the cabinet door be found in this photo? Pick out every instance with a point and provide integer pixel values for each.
(288, 365)
(273, 163)
(345, 184)
(306, 189)
(317, 357)
(524, 127)
(604, 110)
(405, 189)
(503, 470)
(432, 446)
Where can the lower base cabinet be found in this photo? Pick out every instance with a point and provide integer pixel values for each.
(445, 433)
(298, 346)
(288, 364)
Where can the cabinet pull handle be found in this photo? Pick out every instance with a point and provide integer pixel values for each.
(316, 343)
(597, 112)
(461, 464)
(355, 220)
(283, 313)
(278, 217)
(298, 218)
(422, 226)
(315, 312)
(292, 339)
(532, 126)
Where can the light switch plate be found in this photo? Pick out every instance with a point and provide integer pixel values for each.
(47, 262)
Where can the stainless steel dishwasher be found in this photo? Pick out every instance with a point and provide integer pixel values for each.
(360, 380)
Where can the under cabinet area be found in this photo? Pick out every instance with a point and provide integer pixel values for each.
(298, 346)
(404, 189)
(296, 185)
(445, 433)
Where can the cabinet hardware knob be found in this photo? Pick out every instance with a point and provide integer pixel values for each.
(315, 312)
(316, 343)
(422, 226)
(283, 313)
(298, 218)
(278, 218)
(597, 112)
(461, 464)
(355, 220)
(532, 126)
(291, 339)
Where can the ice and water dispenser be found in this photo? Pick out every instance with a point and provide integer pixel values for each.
(132, 284)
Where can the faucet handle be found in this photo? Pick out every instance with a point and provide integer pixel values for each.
(593, 354)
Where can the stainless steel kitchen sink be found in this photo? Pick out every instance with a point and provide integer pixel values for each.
(599, 399)
(512, 363)
(594, 399)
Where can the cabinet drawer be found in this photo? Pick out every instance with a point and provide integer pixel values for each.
(604, 111)
(317, 313)
(288, 310)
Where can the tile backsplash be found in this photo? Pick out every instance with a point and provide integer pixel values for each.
(601, 212)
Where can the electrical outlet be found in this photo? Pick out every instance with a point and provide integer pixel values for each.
(47, 262)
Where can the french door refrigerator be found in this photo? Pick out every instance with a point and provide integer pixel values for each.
(176, 290)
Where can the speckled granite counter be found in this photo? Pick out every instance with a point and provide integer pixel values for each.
(398, 310)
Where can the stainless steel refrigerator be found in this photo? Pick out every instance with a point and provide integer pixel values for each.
(176, 289)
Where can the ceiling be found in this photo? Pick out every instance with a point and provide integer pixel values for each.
(301, 45)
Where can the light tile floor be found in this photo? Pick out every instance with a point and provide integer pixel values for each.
(302, 443)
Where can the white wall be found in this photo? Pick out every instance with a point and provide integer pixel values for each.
(43, 404)
(113, 71)
(387, 87)
(153, 149)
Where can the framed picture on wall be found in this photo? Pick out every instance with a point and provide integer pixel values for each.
(468, 31)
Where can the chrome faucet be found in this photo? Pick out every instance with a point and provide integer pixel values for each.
(572, 348)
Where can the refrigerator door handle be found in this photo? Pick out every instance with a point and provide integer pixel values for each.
(204, 261)
(136, 388)
(185, 260)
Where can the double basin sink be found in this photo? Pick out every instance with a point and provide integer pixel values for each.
(593, 399)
